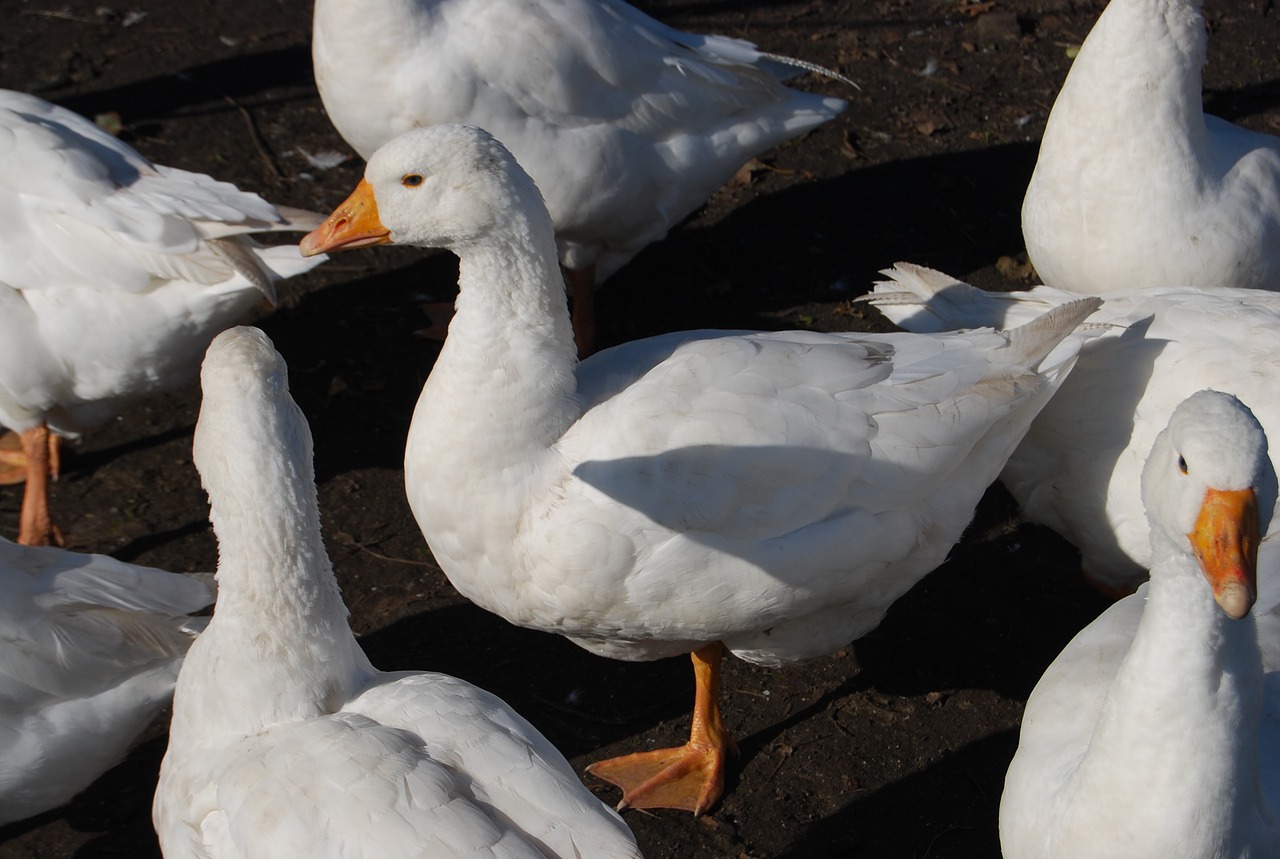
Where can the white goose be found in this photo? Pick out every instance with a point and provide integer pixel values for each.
(772, 491)
(626, 124)
(1134, 185)
(89, 652)
(114, 275)
(1156, 732)
(285, 740)
(1077, 471)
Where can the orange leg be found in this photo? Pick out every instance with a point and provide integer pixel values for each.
(55, 456)
(689, 777)
(582, 286)
(13, 462)
(13, 459)
(35, 527)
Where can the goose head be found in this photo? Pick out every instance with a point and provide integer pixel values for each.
(1206, 483)
(444, 186)
(245, 386)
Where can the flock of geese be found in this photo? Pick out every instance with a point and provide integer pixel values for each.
(769, 494)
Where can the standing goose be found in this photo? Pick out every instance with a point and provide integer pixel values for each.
(285, 741)
(772, 493)
(626, 124)
(1155, 732)
(1078, 470)
(1134, 185)
(90, 652)
(114, 275)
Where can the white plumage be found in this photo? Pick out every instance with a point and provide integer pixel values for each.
(772, 491)
(285, 740)
(1155, 733)
(89, 652)
(626, 124)
(1135, 186)
(1077, 471)
(114, 273)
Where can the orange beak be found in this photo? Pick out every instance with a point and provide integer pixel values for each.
(354, 224)
(1225, 540)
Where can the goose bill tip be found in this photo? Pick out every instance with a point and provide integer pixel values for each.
(1235, 599)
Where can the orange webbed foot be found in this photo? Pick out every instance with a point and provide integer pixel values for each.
(688, 777)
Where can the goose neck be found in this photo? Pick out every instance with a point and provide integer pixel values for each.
(278, 647)
(1144, 59)
(509, 361)
(1180, 722)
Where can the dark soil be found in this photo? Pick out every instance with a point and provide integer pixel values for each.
(893, 747)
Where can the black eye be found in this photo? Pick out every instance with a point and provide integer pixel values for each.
(1182, 464)
(411, 180)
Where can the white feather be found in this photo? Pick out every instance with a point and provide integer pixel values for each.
(1154, 733)
(774, 491)
(1134, 186)
(627, 125)
(89, 652)
(285, 740)
(1077, 470)
(114, 272)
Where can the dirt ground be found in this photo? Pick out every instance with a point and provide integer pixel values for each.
(895, 746)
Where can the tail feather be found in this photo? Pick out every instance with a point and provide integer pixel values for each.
(300, 220)
(922, 300)
(286, 261)
(942, 303)
(790, 64)
(926, 301)
(238, 252)
(1029, 344)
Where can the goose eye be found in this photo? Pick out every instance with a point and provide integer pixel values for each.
(1182, 464)
(412, 180)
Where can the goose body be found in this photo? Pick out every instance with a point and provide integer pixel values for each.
(775, 492)
(114, 273)
(91, 650)
(1078, 469)
(1155, 732)
(285, 740)
(1134, 185)
(626, 124)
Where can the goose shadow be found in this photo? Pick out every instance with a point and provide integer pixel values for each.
(823, 241)
(204, 88)
(1008, 599)
(954, 808)
(356, 367)
(669, 11)
(1240, 103)
(579, 701)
